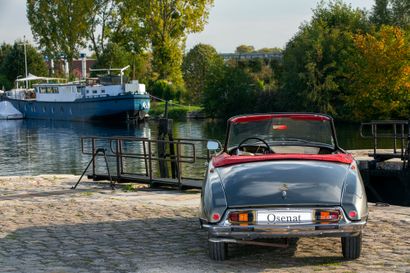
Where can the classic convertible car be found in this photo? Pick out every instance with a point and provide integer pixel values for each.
(282, 175)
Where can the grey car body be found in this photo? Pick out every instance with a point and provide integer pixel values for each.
(283, 185)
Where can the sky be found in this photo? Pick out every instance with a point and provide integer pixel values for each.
(261, 23)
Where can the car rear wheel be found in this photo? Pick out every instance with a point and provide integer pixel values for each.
(352, 246)
(218, 251)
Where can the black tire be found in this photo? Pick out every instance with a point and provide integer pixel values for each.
(218, 251)
(352, 246)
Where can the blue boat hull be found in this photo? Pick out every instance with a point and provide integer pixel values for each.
(114, 107)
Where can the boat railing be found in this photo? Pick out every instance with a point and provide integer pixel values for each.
(138, 159)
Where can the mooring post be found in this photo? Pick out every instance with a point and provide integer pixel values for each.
(174, 159)
(162, 133)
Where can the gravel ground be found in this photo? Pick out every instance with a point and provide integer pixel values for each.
(47, 227)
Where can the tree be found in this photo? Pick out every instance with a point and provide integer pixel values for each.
(13, 65)
(195, 68)
(165, 24)
(116, 56)
(60, 26)
(314, 60)
(273, 50)
(4, 51)
(391, 12)
(401, 13)
(245, 49)
(229, 91)
(381, 13)
(380, 75)
(101, 15)
(166, 90)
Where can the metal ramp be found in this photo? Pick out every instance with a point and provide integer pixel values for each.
(182, 161)
(388, 181)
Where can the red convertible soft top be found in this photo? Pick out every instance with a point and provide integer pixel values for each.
(225, 159)
(259, 117)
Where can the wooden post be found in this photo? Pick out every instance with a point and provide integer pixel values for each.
(162, 153)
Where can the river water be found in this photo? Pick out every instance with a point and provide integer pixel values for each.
(34, 147)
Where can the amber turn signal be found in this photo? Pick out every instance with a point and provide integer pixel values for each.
(241, 217)
(327, 215)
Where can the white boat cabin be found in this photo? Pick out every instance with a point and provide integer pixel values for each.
(52, 90)
(73, 91)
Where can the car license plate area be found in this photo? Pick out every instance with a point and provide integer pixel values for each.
(282, 217)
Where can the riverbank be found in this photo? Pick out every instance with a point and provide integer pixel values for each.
(175, 111)
(47, 227)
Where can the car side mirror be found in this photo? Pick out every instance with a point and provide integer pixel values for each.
(213, 145)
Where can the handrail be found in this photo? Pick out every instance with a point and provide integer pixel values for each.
(117, 148)
(398, 131)
(394, 123)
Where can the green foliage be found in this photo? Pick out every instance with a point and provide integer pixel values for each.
(251, 49)
(167, 61)
(196, 68)
(314, 69)
(401, 13)
(380, 75)
(229, 91)
(270, 50)
(245, 49)
(166, 90)
(381, 14)
(5, 84)
(391, 12)
(12, 63)
(164, 25)
(4, 51)
(116, 56)
(102, 14)
(60, 26)
(175, 111)
(113, 56)
(263, 71)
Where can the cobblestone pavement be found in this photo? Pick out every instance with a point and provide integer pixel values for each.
(46, 227)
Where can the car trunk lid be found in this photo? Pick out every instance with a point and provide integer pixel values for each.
(277, 183)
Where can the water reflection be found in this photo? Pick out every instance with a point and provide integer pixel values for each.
(33, 147)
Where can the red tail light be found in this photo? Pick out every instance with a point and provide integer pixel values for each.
(216, 216)
(327, 216)
(353, 214)
(241, 217)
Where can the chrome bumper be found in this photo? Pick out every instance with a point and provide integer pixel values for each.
(224, 231)
(259, 232)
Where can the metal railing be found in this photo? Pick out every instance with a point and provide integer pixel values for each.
(146, 152)
(396, 130)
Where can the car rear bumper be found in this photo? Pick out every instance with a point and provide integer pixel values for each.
(224, 233)
(225, 230)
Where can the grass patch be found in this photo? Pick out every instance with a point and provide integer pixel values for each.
(128, 187)
(331, 264)
(87, 193)
(177, 112)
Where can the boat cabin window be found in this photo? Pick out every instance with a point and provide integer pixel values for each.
(48, 90)
(80, 89)
(94, 91)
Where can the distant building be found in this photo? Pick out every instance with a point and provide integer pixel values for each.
(249, 56)
(77, 70)
(58, 67)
